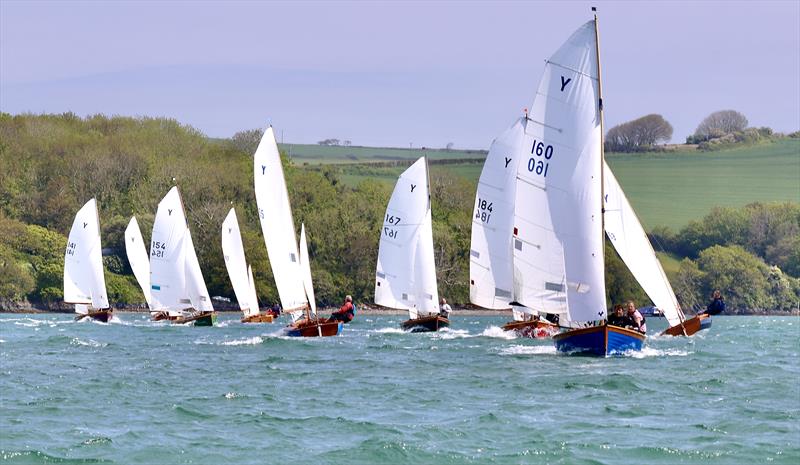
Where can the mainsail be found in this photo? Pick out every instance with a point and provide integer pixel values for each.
(176, 282)
(277, 224)
(84, 282)
(236, 264)
(406, 270)
(137, 257)
(631, 243)
(558, 201)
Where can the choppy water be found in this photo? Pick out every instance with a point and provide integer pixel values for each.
(140, 392)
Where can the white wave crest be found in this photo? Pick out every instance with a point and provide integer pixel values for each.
(90, 343)
(497, 332)
(528, 350)
(389, 331)
(651, 352)
(447, 334)
(250, 341)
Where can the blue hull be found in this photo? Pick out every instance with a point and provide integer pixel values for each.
(705, 324)
(598, 340)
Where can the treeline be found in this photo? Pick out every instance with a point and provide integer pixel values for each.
(50, 165)
(719, 130)
(752, 254)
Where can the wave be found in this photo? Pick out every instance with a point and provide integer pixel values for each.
(250, 341)
(651, 352)
(499, 333)
(76, 341)
(447, 334)
(528, 350)
(389, 330)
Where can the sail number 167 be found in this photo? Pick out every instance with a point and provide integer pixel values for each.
(539, 164)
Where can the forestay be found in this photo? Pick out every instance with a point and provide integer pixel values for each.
(236, 264)
(137, 257)
(84, 282)
(561, 178)
(631, 243)
(406, 271)
(277, 224)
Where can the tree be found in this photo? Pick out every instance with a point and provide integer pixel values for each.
(449, 146)
(720, 123)
(247, 141)
(638, 134)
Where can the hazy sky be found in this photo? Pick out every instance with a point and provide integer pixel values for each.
(395, 73)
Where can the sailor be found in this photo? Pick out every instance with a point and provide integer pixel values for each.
(346, 312)
(620, 319)
(444, 309)
(275, 310)
(717, 304)
(639, 322)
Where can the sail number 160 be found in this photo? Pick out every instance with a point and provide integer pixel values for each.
(539, 164)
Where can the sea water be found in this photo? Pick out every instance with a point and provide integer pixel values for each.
(135, 391)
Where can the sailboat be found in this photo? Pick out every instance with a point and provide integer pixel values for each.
(177, 288)
(84, 282)
(240, 273)
(406, 271)
(289, 268)
(631, 243)
(508, 265)
(137, 257)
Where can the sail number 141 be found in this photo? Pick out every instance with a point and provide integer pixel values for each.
(539, 164)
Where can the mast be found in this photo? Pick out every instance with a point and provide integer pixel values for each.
(602, 144)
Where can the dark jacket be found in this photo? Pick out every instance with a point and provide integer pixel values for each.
(716, 307)
(623, 321)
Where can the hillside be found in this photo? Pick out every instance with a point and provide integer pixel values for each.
(50, 165)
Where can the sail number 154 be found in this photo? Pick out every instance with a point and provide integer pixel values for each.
(540, 162)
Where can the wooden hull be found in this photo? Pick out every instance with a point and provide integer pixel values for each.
(163, 316)
(690, 326)
(199, 319)
(532, 329)
(258, 318)
(425, 324)
(316, 328)
(598, 340)
(100, 315)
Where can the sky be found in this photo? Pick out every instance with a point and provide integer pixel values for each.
(392, 73)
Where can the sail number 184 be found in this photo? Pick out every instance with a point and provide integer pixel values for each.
(484, 210)
(539, 163)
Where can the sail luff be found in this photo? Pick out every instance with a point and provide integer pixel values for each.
(602, 133)
(305, 266)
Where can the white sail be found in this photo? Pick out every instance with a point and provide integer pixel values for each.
(253, 299)
(84, 282)
(277, 224)
(305, 267)
(236, 264)
(406, 270)
(490, 257)
(168, 256)
(137, 257)
(631, 243)
(562, 165)
(195, 284)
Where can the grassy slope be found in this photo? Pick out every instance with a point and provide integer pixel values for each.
(319, 154)
(670, 189)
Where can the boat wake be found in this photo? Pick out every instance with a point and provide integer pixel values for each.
(497, 332)
(529, 350)
(447, 334)
(390, 330)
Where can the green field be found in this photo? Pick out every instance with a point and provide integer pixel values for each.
(666, 189)
(322, 154)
